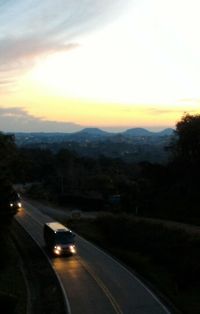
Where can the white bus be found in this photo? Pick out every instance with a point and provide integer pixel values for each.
(59, 239)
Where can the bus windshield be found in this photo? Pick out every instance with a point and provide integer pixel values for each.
(64, 237)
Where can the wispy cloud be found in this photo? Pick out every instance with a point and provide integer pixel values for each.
(19, 54)
(16, 119)
(32, 29)
(15, 52)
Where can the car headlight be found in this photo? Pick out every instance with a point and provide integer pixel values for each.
(72, 248)
(57, 247)
(19, 204)
(11, 204)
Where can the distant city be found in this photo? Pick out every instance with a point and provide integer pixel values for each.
(132, 145)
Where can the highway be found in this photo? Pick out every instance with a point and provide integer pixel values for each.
(92, 281)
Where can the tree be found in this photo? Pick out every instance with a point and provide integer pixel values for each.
(184, 169)
(186, 147)
(101, 183)
(8, 153)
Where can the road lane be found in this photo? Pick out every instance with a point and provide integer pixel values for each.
(95, 282)
(84, 294)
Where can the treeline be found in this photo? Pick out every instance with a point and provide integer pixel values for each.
(147, 189)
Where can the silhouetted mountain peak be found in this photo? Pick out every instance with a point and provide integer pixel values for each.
(137, 132)
(92, 131)
(144, 132)
(167, 131)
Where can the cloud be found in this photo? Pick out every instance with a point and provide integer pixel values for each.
(16, 51)
(16, 119)
(32, 29)
(18, 54)
(5, 82)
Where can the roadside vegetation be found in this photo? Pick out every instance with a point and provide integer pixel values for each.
(12, 286)
(13, 295)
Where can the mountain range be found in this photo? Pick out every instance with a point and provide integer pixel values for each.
(94, 134)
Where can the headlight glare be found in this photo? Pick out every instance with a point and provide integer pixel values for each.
(57, 249)
(72, 248)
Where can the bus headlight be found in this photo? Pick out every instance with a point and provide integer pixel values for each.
(72, 249)
(57, 250)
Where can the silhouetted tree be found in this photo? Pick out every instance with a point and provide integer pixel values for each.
(186, 146)
(8, 153)
(185, 168)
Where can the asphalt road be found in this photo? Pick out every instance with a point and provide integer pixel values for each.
(92, 281)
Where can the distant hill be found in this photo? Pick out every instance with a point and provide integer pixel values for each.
(137, 132)
(92, 131)
(144, 132)
(167, 132)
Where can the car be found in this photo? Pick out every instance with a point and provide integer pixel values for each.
(15, 201)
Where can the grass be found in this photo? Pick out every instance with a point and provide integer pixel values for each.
(167, 257)
(12, 286)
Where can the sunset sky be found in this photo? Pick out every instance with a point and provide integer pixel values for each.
(113, 64)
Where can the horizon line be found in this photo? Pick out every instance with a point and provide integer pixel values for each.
(111, 130)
